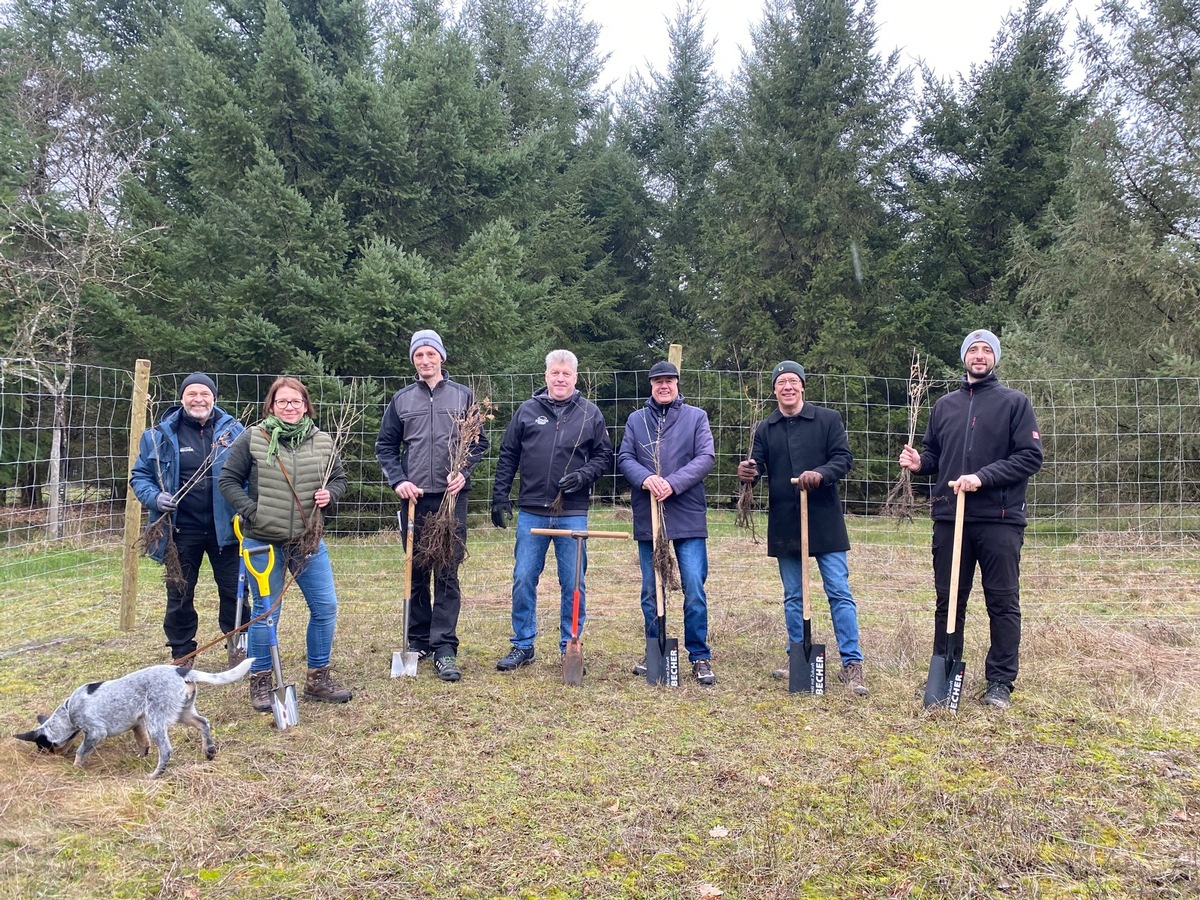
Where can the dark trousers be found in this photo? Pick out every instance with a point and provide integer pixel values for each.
(433, 619)
(180, 620)
(997, 549)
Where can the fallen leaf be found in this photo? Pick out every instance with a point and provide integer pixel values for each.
(718, 831)
(764, 780)
(616, 804)
(705, 891)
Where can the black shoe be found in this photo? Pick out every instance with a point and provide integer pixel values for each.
(640, 667)
(422, 655)
(997, 695)
(447, 668)
(517, 657)
(702, 669)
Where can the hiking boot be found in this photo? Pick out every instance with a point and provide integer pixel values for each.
(422, 655)
(184, 662)
(517, 657)
(640, 667)
(997, 695)
(852, 677)
(447, 668)
(702, 669)
(260, 691)
(320, 686)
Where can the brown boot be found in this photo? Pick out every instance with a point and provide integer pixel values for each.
(260, 691)
(321, 686)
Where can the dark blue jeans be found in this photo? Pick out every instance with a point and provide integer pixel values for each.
(180, 619)
(530, 559)
(692, 556)
(314, 578)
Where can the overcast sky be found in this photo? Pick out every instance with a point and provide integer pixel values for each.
(949, 35)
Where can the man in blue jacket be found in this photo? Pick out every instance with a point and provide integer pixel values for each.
(559, 442)
(805, 441)
(666, 452)
(983, 438)
(175, 475)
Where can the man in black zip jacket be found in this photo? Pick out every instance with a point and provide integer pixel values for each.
(559, 442)
(983, 439)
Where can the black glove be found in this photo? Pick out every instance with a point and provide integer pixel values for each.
(811, 480)
(165, 502)
(747, 470)
(571, 482)
(501, 513)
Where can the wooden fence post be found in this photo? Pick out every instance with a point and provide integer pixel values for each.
(133, 509)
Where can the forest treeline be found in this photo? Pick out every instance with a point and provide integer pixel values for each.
(268, 186)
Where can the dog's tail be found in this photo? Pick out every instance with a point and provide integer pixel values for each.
(229, 676)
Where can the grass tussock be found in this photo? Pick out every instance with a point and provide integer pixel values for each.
(514, 786)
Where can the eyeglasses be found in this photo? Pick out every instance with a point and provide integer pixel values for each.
(788, 382)
(289, 404)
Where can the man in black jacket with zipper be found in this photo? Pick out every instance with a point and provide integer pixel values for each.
(559, 442)
(983, 439)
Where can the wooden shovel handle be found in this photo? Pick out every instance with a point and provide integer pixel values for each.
(960, 508)
(660, 601)
(408, 550)
(567, 532)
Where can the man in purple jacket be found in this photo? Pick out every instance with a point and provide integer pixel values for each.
(666, 451)
(983, 439)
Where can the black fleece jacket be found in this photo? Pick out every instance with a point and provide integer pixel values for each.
(984, 429)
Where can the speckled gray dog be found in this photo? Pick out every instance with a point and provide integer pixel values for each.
(148, 702)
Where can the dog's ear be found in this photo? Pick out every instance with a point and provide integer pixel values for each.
(42, 719)
(27, 736)
(45, 745)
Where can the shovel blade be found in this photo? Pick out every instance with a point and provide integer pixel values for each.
(404, 663)
(943, 687)
(662, 665)
(572, 667)
(284, 707)
(806, 669)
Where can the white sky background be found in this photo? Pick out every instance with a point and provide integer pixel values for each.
(950, 35)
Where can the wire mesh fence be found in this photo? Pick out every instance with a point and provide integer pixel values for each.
(1115, 512)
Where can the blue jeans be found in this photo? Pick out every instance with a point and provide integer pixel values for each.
(692, 556)
(835, 578)
(315, 579)
(530, 559)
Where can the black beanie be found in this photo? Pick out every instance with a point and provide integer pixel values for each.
(198, 378)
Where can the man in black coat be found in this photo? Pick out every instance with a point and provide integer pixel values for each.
(800, 440)
(983, 439)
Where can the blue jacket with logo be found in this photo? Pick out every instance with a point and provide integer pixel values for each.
(545, 441)
(157, 469)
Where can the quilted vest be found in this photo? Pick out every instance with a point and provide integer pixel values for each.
(277, 518)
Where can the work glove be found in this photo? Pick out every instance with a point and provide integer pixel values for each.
(811, 480)
(501, 513)
(747, 470)
(571, 482)
(165, 502)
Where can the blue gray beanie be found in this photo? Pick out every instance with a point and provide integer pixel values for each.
(426, 338)
(981, 335)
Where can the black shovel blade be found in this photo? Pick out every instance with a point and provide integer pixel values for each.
(944, 685)
(662, 665)
(806, 669)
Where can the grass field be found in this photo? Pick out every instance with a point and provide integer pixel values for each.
(515, 786)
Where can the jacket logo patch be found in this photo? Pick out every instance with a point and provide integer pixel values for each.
(1036, 436)
(542, 420)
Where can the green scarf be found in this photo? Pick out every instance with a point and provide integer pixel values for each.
(291, 434)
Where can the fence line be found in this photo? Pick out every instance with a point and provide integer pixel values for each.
(1115, 512)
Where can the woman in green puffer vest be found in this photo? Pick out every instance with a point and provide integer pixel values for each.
(281, 476)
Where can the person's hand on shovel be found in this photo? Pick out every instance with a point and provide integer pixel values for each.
(811, 480)
(966, 483)
(658, 486)
(406, 490)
